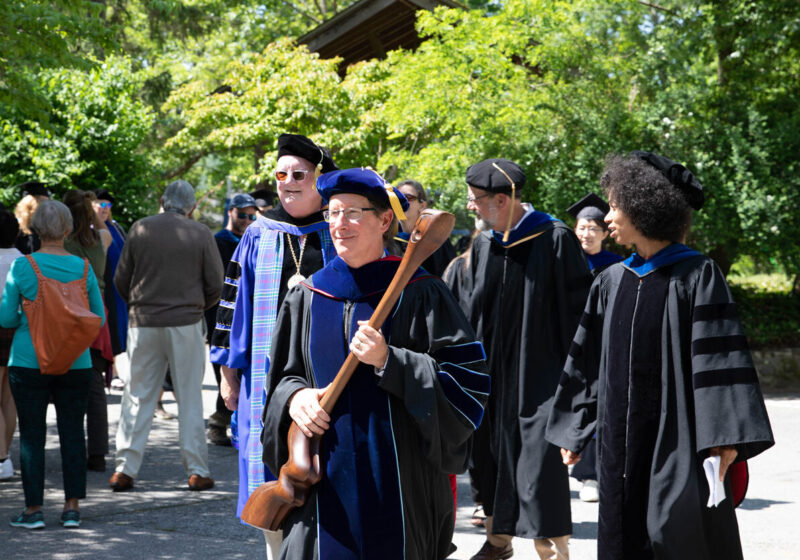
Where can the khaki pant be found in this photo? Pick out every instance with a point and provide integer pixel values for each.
(555, 548)
(150, 351)
(274, 541)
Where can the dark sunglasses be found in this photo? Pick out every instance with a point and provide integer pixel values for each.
(297, 175)
(245, 215)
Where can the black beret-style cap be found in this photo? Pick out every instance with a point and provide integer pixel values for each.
(590, 207)
(263, 197)
(35, 188)
(485, 175)
(103, 194)
(302, 147)
(678, 175)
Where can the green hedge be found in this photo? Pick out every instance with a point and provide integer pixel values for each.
(771, 319)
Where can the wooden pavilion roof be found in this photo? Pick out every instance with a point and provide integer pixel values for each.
(369, 29)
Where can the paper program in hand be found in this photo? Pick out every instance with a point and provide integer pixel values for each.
(716, 488)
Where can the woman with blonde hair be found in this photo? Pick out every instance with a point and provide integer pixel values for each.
(33, 192)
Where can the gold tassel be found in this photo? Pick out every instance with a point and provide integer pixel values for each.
(318, 168)
(511, 210)
(394, 202)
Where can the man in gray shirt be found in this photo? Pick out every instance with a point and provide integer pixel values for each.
(169, 273)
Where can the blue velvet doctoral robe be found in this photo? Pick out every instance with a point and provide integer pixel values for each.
(394, 437)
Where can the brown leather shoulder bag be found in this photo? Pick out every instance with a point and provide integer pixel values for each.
(61, 323)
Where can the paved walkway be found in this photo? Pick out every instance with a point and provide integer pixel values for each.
(161, 518)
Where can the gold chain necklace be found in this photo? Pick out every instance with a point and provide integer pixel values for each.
(296, 278)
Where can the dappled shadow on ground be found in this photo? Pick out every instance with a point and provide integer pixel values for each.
(757, 503)
(160, 518)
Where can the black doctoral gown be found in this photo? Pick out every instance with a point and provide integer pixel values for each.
(438, 261)
(393, 437)
(524, 299)
(661, 369)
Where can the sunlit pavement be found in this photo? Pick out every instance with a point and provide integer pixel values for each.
(161, 518)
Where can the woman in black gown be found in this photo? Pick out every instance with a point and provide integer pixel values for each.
(660, 367)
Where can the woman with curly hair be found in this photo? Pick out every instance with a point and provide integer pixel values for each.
(90, 239)
(660, 368)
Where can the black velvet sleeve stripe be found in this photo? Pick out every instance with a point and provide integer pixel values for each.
(715, 311)
(724, 377)
(575, 350)
(460, 354)
(586, 320)
(230, 290)
(716, 344)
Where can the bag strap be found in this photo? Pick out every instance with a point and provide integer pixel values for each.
(35, 267)
(40, 276)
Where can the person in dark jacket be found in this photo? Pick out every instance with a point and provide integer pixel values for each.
(241, 213)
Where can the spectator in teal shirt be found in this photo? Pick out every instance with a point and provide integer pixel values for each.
(33, 391)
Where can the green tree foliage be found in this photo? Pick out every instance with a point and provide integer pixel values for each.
(39, 34)
(557, 85)
(553, 85)
(95, 126)
(285, 88)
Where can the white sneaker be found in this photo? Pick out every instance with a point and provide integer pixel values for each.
(117, 384)
(589, 491)
(6, 469)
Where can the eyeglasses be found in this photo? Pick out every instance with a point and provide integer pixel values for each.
(472, 199)
(104, 204)
(351, 214)
(589, 229)
(297, 175)
(412, 198)
(245, 215)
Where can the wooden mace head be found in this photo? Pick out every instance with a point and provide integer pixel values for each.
(433, 227)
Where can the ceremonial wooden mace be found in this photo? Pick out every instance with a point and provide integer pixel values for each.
(270, 503)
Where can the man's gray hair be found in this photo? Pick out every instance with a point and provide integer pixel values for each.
(52, 220)
(178, 197)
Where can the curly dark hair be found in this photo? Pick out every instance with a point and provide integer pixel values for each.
(654, 206)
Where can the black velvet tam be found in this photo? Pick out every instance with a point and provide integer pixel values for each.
(590, 207)
(302, 147)
(678, 175)
(36, 188)
(485, 175)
